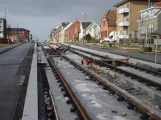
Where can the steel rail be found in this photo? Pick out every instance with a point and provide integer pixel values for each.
(71, 93)
(140, 78)
(124, 95)
(127, 64)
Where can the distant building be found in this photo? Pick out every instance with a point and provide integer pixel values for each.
(2, 28)
(18, 34)
(128, 12)
(108, 24)
(64, 26)
(89, 28)
(57, 33)
(30, 36)
(72, 32)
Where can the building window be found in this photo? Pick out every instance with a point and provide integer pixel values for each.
(104, 23)
(127, 5)
(151, 28)
(105, 33)
(152, 11)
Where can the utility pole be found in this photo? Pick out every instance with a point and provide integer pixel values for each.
(147, 25)
(6, 24)
(17, 32)
(156, 51)
(85, 15)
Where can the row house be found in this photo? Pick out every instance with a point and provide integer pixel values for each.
(72, 32)
(89, 28)
(108, 24)
(57, 33)
(128, 12)
(64, 26)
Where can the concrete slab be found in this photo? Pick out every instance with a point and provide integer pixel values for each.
(114, 56)
(31, 103)
(96, 101)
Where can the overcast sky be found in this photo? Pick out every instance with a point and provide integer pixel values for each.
(40, 16)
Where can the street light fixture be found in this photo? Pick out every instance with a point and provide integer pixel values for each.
(85, 15)
(6, 11)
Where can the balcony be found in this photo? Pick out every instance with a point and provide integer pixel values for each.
(124, 23)
(123, 36)
(123, 10)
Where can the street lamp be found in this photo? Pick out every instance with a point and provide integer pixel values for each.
(85, 15)
(147, 24)
(6, 23)
(6, 11)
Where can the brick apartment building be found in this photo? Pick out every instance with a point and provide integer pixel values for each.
(72, 33)
(18, 34)
(108, 24)
(128, 12)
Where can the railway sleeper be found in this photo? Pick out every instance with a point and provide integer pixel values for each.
(158, 88)
(65, 94)
(144, 116)
(73, 108)
(69, 101)
(120, 98)
(63, 89)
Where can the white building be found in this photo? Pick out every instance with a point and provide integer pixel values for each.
(2, 28)
(62, 32)
(89, 28)
(149, 24)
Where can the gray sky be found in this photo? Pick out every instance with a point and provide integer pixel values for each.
(40, 16)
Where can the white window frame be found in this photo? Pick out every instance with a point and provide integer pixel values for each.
(151, 28)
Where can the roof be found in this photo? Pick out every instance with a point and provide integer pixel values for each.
(111, 17)
(17, 29)
(2, 19)
(64, 24)
(125, 1)
(85, 24)
(157, 4)
(68, 25)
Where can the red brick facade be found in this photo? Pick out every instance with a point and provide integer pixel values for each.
(108, 24)
(72, 33)
(20, 33)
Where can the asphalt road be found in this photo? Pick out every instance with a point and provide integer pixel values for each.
(10, 81)
(136, 55)
(8, 47)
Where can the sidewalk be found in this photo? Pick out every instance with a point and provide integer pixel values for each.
(133, 54)
(8, 47)
(122, 48)
(2, 45)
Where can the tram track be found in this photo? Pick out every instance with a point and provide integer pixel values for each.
(121, 95)
(139, 78)
(68, 91)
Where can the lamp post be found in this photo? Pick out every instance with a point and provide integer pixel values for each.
(6, 23)
(85, 15)
(6, 14)
(147, 25)
(156, 51)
